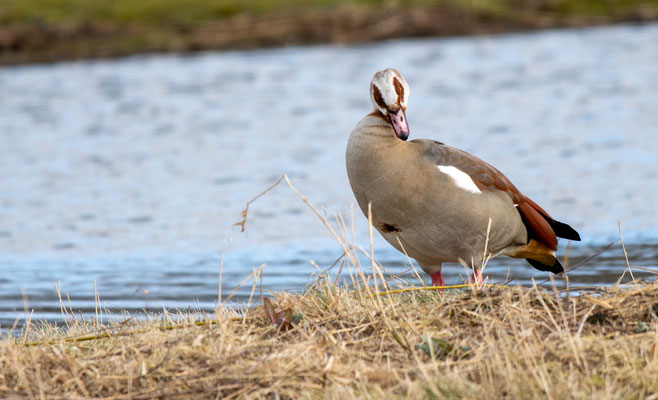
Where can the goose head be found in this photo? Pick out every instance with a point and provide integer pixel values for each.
(389, 93)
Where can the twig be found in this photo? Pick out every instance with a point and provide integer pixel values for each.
(628, 264)
(243, 214)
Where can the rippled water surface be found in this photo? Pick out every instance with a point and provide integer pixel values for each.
(130, 173)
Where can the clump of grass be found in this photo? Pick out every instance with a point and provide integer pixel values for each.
(361, 337)
(501, 342)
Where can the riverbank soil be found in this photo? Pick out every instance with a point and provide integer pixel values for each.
(46, 31)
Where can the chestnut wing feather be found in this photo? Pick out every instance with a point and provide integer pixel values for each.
(486, 177)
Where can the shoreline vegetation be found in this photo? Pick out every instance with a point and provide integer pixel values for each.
(366, 335)
(47, 31)
(337, 343)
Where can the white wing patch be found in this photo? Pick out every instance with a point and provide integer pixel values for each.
(460, 177)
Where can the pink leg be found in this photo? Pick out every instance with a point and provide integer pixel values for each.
(437, 279)
(477, 277)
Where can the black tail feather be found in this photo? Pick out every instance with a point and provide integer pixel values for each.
(556, 268)
(563, 230)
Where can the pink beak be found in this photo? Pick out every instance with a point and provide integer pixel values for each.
(399, 122)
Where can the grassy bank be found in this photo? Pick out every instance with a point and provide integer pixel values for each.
(503, 342)
(46, 30)
(367, 335)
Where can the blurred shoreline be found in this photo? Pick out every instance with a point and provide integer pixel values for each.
(36, 36)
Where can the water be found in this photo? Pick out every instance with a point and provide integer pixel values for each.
(130, 173)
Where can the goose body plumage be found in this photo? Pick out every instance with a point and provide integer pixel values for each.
(435, 202)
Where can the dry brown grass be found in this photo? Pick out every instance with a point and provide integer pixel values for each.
(501, 342)
(340, 340)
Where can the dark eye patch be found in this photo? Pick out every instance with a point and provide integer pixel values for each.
(379, 99)
(399, 89)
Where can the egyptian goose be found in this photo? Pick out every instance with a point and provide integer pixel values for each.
(434, 202)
